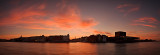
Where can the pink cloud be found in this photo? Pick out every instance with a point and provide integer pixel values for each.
(36, 27)
(145, 25)
(42, 6)
(102, 32)
(67, 17)
(17, 15)
(128, 8)
(86, 23)
(146, 21)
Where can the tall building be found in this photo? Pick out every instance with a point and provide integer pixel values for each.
(120, 34)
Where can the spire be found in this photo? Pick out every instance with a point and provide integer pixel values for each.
(68, 35)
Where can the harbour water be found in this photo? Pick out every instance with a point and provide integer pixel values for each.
(25, 48)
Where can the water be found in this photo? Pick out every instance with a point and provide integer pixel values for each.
(23, 48)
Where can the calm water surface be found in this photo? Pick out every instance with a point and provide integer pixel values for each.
(23, 48)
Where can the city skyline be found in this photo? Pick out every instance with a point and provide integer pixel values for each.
(120, 37)
(79, 18)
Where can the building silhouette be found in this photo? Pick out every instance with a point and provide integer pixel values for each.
(30, 39)
(120, 37)
(58, 38)
(120, 34)
(54, 38)
(97, 38)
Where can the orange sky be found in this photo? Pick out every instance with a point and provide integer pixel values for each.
(78, 18)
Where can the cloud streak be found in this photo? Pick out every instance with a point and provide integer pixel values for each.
(36, 16)
(152, 26)
(128, 8)
(66, 17)
(33, 16)
(146, 21)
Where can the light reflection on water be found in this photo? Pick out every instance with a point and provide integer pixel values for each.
(22, 48)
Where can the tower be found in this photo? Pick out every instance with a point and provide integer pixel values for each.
(68, 35)
(120, 34)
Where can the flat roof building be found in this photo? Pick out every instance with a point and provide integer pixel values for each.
(120, 34)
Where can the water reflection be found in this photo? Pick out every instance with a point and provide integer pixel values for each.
(105, 48)
(120, 49)
(58, 48)
(83, 49)
(16, 48)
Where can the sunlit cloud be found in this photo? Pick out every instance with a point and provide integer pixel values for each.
(37, 27)
(146, 21)
(128, 8)
(145, 25)
(102, 32)
(66, 17)
(21, 15)
(42, 6)
(88, 23)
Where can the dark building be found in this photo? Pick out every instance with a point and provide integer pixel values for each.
(55, 38)
(120, 37)
(120, 34)
(34, 39)
(84, 39)
(76, 40)
(3, 40)
(97, 38)
(58, 38)
(30, 39)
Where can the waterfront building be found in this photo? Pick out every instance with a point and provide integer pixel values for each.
(97, 38)
(58, 38)
(55, 38)
(120, 34)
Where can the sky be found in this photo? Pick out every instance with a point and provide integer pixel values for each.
(139, 18)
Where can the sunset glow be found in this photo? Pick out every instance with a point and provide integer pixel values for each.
(79, 18)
